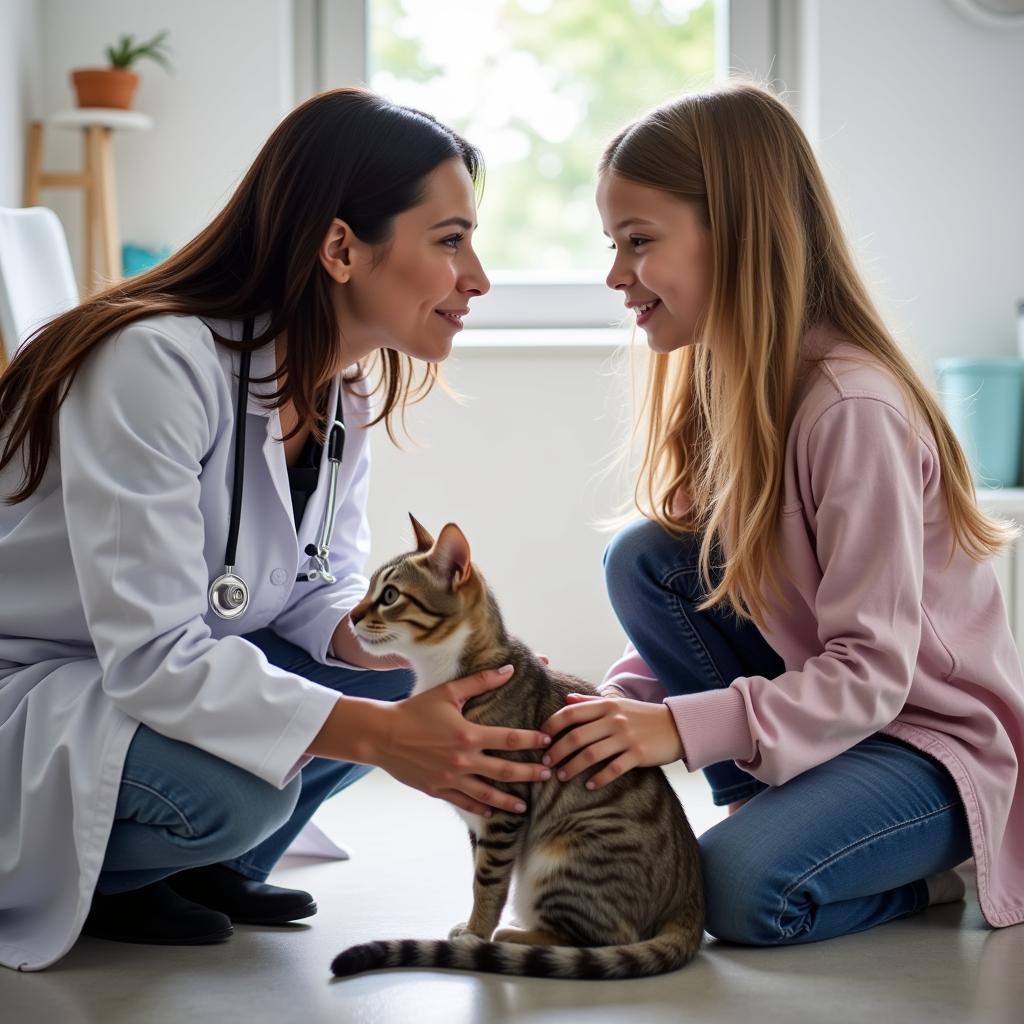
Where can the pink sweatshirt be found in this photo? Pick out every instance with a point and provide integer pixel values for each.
(881, 634)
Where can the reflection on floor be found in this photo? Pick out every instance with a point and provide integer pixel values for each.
(410, 876)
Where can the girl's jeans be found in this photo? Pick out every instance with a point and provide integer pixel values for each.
(841, 848)
(180, 807)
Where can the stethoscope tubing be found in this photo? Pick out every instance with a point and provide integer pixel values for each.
(229, 594)
(238, 480)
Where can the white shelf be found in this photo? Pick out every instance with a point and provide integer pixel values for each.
(1001, 499)
(104, 117)
(1009, 564)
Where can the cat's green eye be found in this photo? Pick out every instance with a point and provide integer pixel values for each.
(389, 595)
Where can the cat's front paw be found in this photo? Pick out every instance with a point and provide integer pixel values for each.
(461, 934)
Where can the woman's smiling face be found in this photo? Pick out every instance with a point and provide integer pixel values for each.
(663, 259)
(410, 293)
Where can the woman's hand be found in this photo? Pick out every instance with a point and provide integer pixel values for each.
(430, 746)
(640, 733)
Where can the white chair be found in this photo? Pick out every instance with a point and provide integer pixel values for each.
(36, 277)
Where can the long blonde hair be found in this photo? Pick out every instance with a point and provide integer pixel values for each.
(716, 416)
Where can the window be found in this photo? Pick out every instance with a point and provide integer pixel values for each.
(539, 86)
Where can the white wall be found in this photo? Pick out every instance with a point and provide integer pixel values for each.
(19, 89)
(232, 83)
(918, 124)
(916, 117)
(519, 468)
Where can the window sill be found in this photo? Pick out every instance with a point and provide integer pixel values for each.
(551, 339)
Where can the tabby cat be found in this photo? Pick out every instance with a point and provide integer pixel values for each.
(608, 882)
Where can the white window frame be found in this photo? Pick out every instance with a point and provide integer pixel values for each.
(761, 39)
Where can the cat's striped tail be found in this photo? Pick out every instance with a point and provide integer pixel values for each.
(673, 947)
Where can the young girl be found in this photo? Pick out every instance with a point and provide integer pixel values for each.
(173, 647)
(813, 617)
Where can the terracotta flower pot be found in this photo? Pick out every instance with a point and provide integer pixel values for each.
(105, 87)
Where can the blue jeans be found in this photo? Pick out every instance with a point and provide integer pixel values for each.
(840, 848)
(179, 807)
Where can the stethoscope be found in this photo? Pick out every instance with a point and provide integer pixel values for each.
(229, 593)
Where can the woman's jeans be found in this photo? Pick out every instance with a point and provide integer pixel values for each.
(180, 807)
(838, 849)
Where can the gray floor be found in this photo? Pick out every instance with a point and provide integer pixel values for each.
(410, 876)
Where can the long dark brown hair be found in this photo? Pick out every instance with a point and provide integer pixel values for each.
(346, 153)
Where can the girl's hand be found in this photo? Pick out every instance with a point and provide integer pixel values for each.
(640, 733)
(430, 746)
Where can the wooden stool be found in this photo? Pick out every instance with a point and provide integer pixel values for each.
(97, 125)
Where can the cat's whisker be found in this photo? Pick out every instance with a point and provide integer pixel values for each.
(375, 640)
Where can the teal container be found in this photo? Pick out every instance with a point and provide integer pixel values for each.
(984, 401)
(135, 259)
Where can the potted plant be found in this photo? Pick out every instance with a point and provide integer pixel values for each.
(115, 86)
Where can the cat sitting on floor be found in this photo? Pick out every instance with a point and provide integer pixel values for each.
(607, 882)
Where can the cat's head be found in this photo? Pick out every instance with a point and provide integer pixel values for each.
(424, 605)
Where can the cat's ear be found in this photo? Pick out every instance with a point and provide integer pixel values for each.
(450, 556)
(424, 542)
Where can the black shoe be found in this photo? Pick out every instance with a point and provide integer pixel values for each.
(243, 900)
(157, 915)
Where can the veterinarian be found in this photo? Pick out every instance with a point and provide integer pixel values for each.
(184, 468)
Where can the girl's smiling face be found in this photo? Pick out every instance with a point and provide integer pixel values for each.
(663, 258)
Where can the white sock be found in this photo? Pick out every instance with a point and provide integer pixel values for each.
(945, 887)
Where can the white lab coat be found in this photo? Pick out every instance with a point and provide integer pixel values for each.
(104, 621)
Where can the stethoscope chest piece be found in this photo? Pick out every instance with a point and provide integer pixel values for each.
(229, 595)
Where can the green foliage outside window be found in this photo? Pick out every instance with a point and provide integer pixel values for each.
(540, 86)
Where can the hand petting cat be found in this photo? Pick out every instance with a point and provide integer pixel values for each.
(635, 733)
(430, 746)
(425, 742)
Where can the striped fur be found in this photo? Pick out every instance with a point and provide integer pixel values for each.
(665, 952)
(607, 883)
